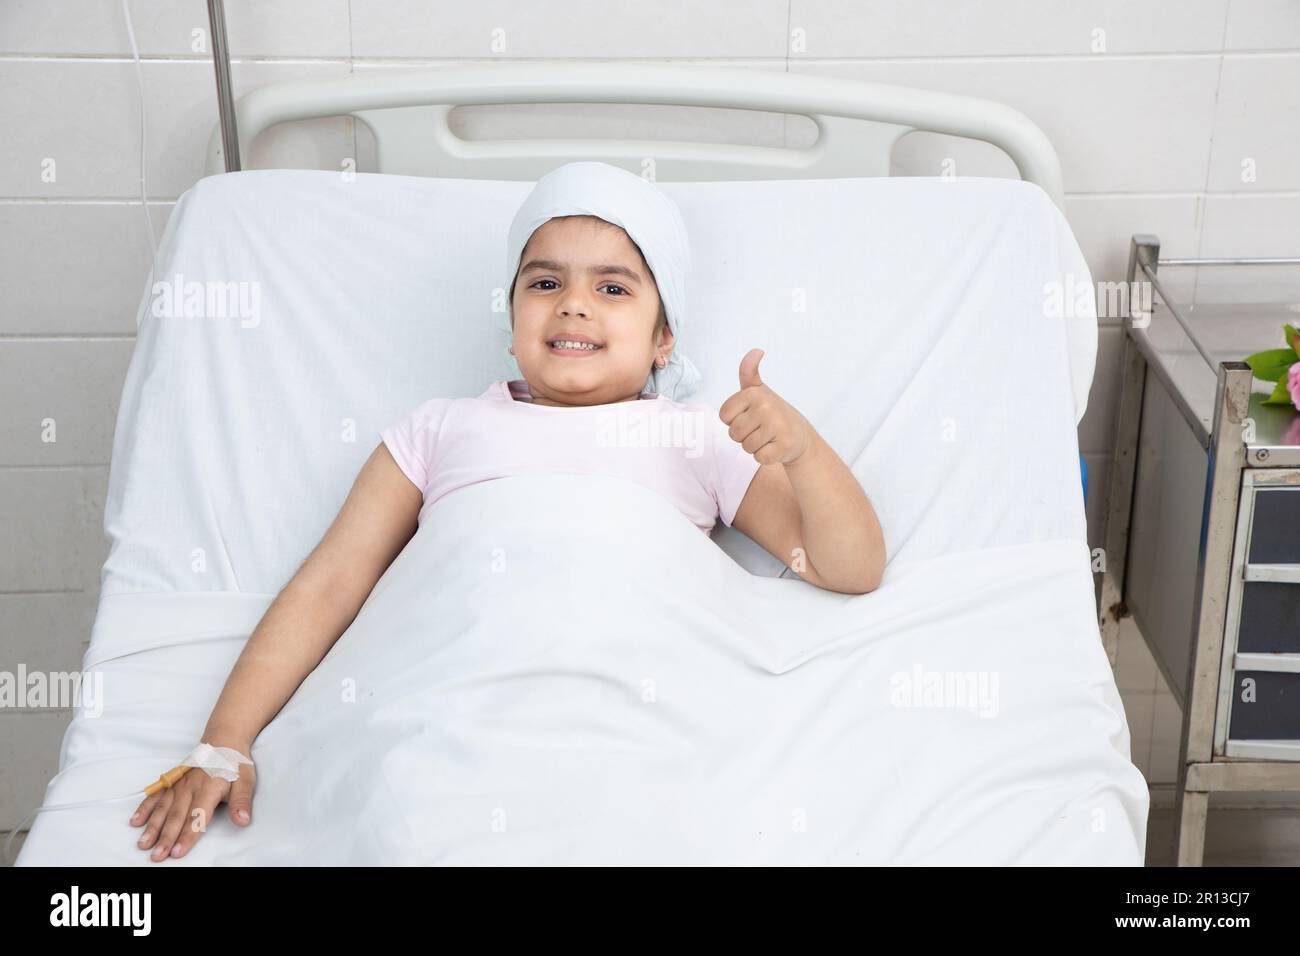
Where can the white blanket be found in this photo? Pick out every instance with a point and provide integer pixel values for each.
(601, 684)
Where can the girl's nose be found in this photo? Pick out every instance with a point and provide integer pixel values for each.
(573, 301)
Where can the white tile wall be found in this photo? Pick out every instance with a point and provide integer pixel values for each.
(73, 281)
(723, 29)
(1256, 148)
(1156, 109)
(174, 28)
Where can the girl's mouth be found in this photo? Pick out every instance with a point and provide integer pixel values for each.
(568, 347)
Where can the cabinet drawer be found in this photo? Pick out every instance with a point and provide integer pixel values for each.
(1270, 617)
(1274, 711)
(1275, 526)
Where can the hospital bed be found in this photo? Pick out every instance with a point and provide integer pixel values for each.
(964, 712)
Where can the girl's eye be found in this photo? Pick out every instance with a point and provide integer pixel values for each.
(607, 285)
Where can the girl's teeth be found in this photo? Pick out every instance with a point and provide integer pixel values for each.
(576, 345)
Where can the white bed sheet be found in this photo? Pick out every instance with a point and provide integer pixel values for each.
(923, 355)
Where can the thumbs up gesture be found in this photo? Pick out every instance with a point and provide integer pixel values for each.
(764, 424)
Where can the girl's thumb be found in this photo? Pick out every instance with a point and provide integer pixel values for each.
(241, 801)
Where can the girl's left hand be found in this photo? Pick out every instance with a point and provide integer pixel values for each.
(764, 423)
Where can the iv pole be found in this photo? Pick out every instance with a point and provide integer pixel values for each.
(225, 101)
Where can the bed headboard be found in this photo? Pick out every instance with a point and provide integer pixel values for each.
(858, 123)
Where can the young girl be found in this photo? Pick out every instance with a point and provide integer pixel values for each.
(599, 258)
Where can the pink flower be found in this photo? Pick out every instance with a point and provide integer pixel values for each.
(1293, 384)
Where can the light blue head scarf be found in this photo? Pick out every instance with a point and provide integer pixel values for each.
(650, 219)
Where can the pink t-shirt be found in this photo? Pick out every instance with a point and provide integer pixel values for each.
(682, 451)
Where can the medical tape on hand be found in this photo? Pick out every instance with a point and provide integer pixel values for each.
(220, 762)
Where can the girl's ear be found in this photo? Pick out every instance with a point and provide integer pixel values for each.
(665, 337)
(664, 347)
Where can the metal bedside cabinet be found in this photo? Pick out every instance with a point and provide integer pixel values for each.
(1202, 543)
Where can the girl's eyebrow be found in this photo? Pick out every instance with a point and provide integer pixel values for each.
(550, 265)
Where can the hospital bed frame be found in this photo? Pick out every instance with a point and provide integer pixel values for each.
(858, 123)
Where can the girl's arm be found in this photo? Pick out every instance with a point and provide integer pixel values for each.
(309, 614)
(804, 506)
(318, 604)
(814, 517)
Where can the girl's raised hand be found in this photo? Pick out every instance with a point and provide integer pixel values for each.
(175, 818)
(765, 424)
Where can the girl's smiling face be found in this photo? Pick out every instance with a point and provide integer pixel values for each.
(582, 279)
